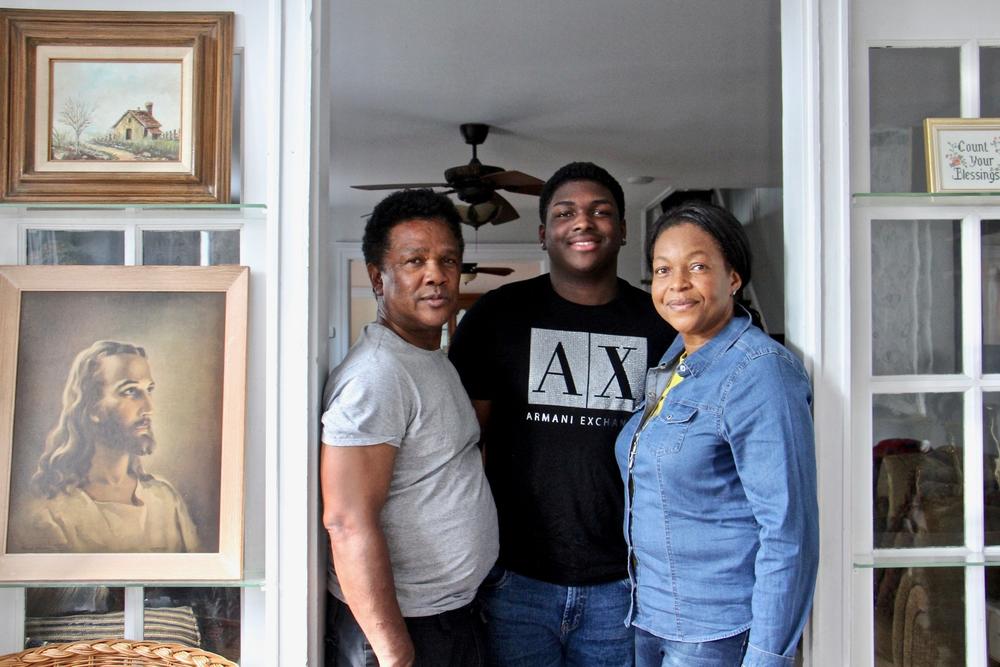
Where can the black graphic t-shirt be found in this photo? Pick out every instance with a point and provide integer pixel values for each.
(562, 379)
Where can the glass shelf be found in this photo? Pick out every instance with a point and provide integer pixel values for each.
(240, 583)
(905, 560)
(129, 209)
(872, 199)
(118, 206)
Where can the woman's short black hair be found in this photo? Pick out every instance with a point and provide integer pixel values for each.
(718, 223)
(581, 171)
(401, 206)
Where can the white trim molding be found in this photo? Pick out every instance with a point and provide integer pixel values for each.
(292, 622)
(815, 47)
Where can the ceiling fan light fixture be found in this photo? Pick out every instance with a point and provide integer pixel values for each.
(483, 213)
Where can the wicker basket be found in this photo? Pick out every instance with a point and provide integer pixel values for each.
(114, 653)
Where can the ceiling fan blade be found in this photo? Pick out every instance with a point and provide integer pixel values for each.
(495, 270)
(516, 181)
(398, 186)
(505, 211)
(473, 268)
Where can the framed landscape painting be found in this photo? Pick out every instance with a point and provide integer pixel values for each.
(122, 410)
(115, 106)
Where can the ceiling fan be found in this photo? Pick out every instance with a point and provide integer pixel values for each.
(476, 184)
(472, 269)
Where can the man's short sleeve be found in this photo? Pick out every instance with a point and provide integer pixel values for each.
(365, 406)
(472, 349)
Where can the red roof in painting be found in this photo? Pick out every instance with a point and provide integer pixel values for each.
(145, 118)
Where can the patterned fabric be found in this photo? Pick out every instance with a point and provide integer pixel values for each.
(167, 625)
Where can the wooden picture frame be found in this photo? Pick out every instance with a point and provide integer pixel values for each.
(185, 442)
(963, 154)
(103, 106)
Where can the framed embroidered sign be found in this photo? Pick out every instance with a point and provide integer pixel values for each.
(963, 154)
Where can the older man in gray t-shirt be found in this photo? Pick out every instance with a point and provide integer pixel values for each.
(411, 520)
(439, 519)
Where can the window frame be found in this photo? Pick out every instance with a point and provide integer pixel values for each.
(972, 555)
(133, 224)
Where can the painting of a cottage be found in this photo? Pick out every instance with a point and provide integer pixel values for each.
(136, 123)
(89, 120)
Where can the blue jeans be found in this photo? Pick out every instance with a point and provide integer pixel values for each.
(531, 623)
(652, 651)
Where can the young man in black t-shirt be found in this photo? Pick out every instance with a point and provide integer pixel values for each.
(554, 366)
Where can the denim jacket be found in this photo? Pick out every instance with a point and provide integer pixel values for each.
(720, 498)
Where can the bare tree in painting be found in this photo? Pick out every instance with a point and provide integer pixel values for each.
(78, 116)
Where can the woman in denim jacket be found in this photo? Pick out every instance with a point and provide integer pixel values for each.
(719, 465)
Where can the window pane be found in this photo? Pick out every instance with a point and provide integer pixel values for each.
(991, 295)
(224, 247)
(56, 615)
(56, 246)
(916, 297)
(989, 82)
(208, 618)
(191, 247)
(920, 616)
(906, 86)
(177, 248)
(917, 470)
(993, 616)
(991, 467)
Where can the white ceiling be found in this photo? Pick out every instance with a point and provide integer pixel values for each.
(685, 91)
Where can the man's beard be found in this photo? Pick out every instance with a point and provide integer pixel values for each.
(123, 438)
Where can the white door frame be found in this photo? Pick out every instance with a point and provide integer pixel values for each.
(817, 238)
(296, 200)
(815, 109)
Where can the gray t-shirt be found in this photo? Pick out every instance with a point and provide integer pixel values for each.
(439, 519)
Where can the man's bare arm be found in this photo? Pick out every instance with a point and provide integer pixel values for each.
(355, 485)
